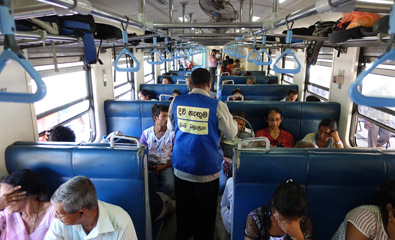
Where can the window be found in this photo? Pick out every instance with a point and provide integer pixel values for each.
(289, 63)
(319, 75)
(149, 71)
(270, 70)
(375, 126)
(123, 81)
(68, 100)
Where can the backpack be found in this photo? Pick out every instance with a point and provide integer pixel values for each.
(82, 26)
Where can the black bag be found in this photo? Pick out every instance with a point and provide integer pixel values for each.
(107, 32)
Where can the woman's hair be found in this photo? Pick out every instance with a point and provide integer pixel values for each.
(329, 123)
(145, 92)
(236, 90)
(276, 110)
(386, 195)
(29, 182)
(289, 199)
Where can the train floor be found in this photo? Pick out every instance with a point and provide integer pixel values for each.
(170, 226)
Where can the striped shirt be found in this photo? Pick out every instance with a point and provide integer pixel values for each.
(367, 219)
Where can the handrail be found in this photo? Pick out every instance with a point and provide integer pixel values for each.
(179, 81)
(115, 136)
(12, 52)
(355, 94)
(240, 96)
(225, 74)
(152, 54)
(164, 95)
(230, 81)
(259, 60)
(166, 50)
(252, 140)
(287, 52)
(125, 51)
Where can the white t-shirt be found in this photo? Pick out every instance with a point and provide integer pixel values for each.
(159, 150)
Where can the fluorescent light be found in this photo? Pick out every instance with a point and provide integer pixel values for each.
(243, 29)
(256, 18)
(281, 1)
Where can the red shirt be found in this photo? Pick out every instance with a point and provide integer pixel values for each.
(285, 138)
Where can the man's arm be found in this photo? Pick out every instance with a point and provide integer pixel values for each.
(143, 139)
(226, 124)
(170, 120)
(55, 231)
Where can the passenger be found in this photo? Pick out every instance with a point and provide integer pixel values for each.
(251, 80)
(61, 134)
(225, 68)
(238, 92)
(292, 96)
(277, 136)
(284, 218)
(327, 135)
(231, 65)
(368, 222)
(159, 141)
(236, 67)
(175, 92)
(26, 210)
(188, 82)
(272, 81)
(312, 98)
(144, 95)
(228, 145)
(246, 73)
(80, 215)
(166, 80)
(213, 60)
(198, 121)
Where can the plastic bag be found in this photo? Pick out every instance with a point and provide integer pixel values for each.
(356, 19)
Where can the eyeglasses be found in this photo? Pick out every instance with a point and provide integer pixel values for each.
(61, 216)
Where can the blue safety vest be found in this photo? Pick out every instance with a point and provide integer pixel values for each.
(196, 146)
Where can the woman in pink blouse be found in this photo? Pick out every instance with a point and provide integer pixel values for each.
(26, 211)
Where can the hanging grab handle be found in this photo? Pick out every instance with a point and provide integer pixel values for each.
(125, 51)
(165, 52)
(152, 54)
(355, 95)
(12, 52)
(28, 67)
(360, 99)
(287, 52)
(251, 53)
(259, 59)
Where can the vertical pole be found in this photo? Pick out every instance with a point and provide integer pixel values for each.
(275, 10)
(184, 5)
(141, 15)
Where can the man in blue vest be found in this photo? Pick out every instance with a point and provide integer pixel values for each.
(198, 121)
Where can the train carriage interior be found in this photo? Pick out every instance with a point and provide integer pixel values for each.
(86, 64)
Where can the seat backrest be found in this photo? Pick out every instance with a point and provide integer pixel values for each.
(260, 92)
(335, 182)
(256, 73)
(299, 118)
(129, 117)
(181, 73)
(173, 78)
(119, 175)
(157, 89)
(243, 79)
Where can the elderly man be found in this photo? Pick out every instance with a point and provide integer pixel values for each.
(81, 216)
(292, 96)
